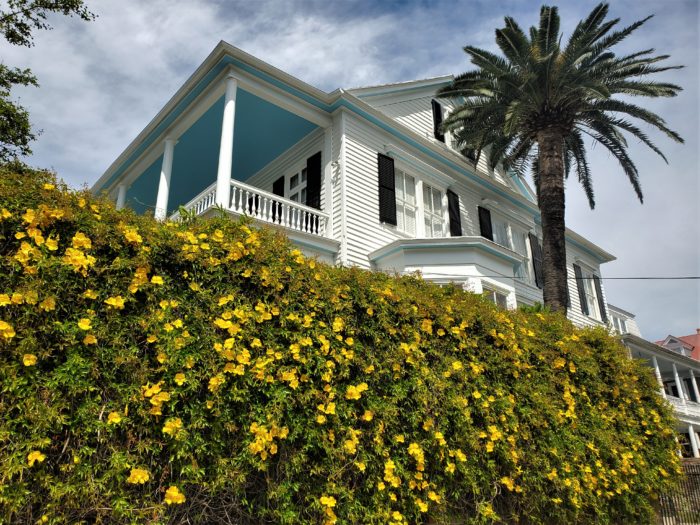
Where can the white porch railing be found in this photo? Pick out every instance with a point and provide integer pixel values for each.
(263, 206)
(690, 408)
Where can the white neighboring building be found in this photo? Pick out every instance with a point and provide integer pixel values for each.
(677, 372)
(355, 177)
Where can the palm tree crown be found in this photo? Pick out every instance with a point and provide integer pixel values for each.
(535, 107)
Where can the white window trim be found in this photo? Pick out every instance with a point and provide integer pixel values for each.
(296, 170)
(421, 179)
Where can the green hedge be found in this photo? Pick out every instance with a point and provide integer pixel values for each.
(206, 371)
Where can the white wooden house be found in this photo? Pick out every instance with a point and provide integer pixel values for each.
(355, 177)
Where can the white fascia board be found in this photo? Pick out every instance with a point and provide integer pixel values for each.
(438, 243)
(441, 150)
(619, 310)
(576, 239)
(385, 89)
(247, 82)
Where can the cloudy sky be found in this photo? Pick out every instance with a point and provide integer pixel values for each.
(103, 81)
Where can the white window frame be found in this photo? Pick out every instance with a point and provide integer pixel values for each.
(493, 292)
(403, 204)
(590, 292)
(289, 192)
(420, 182)
(440, 215)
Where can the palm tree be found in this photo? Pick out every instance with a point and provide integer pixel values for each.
(535, 108)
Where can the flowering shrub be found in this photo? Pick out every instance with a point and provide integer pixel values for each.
(206, 372)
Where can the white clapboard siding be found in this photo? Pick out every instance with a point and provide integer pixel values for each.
(573, 254)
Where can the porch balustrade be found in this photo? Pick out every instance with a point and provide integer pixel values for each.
(262, 206)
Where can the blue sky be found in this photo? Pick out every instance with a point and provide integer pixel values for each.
(102, 82)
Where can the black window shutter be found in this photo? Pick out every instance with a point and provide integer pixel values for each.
(601, 303)
(387, 189)
(536, 250)
(313, 181)
(437, 120)
(581, 289)
(485, 223)
(278, 187)
(453, 209)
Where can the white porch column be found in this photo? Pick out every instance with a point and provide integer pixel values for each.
(164, 184)
(121, 196)
(657, 373)
(223, 175)
(693, 441)
(695, 386)
(327, 158)
(679, 385)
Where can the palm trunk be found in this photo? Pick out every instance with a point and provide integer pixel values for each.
(552, 205)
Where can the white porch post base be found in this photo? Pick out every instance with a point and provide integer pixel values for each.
(679, 384)
(223, 175)
(693, 441)
(121, 196)
(164, 183)
(694, 382)
(657, 373)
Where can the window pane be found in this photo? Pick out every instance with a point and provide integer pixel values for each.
(293, 181)
(398, 181)
(410, 189)
(437, 201)
(303, 196)
(303, 175)
(294, 197)
(410, 221)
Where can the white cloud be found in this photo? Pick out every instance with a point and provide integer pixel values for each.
(102, 82)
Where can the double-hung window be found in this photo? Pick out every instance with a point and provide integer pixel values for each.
(406, 205)
(297, 187)
(433, 213)
(591, 297)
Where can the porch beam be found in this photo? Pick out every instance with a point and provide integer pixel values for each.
(164, 182)
(223, 175)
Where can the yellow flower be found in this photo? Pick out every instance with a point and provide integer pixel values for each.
(29, 359)
(172, 426)
(138, 476)
(328, 501)
(52, 244)
(48, 304)
(89, 294)
(113, 418)
(5, 299)
(508, 483)
(85, 324)
(215, 382)
(355, 392)
(422, 505)
(157, 279)
(368, 415)
(4, 214)
(90, 340)
(116, 302)
(81, 241)
(35, 456)
(180, 378)
(6, 330)
(173, 496)
(433, 496)
(559, 362)
(476, 394)
(49, 187)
